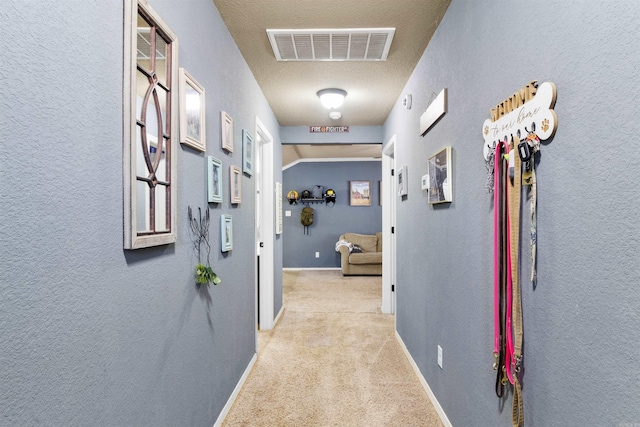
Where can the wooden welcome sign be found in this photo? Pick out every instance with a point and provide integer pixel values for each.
(529, 107)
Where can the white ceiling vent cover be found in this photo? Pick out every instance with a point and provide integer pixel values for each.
(345, 44)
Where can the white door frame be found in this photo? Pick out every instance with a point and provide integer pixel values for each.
(389, 198)
(265, 227)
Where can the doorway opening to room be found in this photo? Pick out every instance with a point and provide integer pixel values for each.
(389, 198)
(265, 228)
(354, 173)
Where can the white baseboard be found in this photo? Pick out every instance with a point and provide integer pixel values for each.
(432, 397)
(236, 391)
(311, 268)
(275, 321)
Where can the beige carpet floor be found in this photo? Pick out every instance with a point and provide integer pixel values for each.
(332, 360)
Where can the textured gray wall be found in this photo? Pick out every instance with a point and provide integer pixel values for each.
(92, 334)
(582, 347)
(329, 221)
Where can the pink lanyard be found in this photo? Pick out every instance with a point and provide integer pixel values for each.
(496, 253)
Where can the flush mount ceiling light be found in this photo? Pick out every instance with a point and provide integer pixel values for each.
(335, 115)
(332, 98)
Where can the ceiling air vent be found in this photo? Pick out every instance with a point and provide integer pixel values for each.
(348, 44)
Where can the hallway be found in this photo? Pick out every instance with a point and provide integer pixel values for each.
(332, 360)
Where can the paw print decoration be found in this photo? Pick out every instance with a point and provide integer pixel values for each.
(545, 125)
(538, 110)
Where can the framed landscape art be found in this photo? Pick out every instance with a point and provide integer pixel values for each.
(360, 193)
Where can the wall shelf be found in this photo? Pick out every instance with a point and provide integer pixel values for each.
(311, 200)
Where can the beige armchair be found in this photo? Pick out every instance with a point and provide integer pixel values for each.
(367, 263)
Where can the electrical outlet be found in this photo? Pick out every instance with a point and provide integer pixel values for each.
(440, 356)
(317, 254)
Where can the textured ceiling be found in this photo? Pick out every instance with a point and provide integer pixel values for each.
(372, 87)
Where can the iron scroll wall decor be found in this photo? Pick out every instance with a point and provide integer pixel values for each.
(531, 106)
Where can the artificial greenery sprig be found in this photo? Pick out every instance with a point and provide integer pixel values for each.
(205, 275)
(200, 229)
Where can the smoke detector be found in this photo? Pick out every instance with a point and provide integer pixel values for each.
(407, 101)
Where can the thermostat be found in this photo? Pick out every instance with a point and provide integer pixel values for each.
(425, 182)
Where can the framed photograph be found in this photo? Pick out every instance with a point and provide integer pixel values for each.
(440, 185)
(192, 117)
(403, 185)
(226, 233)
(214, 181)
(247, 152)
(360, 192)
(226, 140)
(235, 178)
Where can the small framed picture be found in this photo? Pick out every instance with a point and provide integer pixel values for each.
(214, 167)
(226, 140)
(360, 192)
(403, 185)
(226, 233)
(440, 185)
(247, 152)
(192, 114)
(235, 178)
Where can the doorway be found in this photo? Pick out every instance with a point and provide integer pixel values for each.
(265, 228)
(389, 198)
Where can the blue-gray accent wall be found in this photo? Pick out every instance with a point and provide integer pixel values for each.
(92, 334)
(582, 320)
(329, 221)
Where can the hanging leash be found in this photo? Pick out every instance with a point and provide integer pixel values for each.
(498, 179)
(514, 331)
(496, 159)
(496, 255)
(508, 332)
(529, 178)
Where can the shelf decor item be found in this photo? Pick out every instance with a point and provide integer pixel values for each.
(192, 114)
